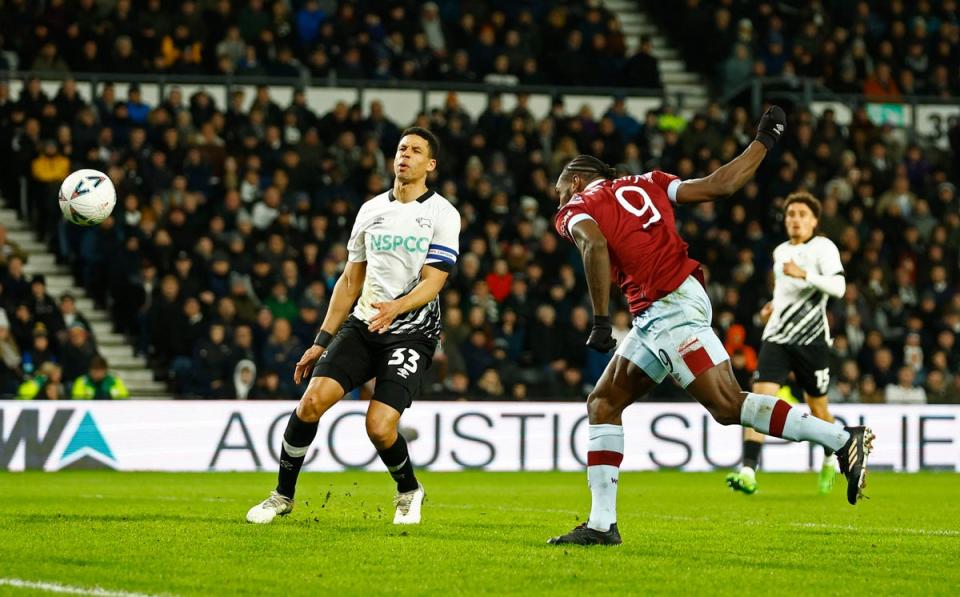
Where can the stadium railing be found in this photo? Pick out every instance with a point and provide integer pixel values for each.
(925, 118)
(363, 87)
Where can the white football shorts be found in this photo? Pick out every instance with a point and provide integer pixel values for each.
(673, 335)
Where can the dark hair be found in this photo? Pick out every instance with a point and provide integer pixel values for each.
(98, 362)
(805, 198)
(427, 136)
(587, 164)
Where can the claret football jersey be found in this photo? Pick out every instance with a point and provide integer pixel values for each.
(648, 258)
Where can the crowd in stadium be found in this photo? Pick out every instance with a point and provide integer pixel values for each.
(230, 226)
(496, 42)
(882, 49)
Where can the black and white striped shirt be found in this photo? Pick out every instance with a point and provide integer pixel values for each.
(396, 240)
(800, 305)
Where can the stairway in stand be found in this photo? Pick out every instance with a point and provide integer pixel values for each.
(673, 70)
(133, 370)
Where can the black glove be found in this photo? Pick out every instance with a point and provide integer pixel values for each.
(601, 336)
(771, 127)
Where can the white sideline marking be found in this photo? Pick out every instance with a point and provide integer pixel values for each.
(843, 527)
(162, 498)
(750, 522)
(54, 587)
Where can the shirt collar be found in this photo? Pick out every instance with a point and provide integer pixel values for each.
(426, 195)
(594, 183)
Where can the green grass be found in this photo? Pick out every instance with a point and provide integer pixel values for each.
(683, 533)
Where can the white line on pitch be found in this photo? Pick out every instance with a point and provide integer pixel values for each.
(55, 587)
(162, 498)
(847, 527)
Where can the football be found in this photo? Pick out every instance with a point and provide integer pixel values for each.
(87, 197)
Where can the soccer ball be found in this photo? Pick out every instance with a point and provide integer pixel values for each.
(87, 197)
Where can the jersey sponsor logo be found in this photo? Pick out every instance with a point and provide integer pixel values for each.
(395, 242)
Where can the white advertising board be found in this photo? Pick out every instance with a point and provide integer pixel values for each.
(244, 436)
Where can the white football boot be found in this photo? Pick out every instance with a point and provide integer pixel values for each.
(270, 508)
(408, 506)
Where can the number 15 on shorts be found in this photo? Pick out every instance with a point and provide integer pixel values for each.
(823, 380)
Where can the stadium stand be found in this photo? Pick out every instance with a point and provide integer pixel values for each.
(234, 205)
(880, 49)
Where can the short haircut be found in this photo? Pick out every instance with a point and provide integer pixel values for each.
(805, 198)
(427, 136)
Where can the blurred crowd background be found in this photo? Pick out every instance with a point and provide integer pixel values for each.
(499, 41)
(231, 223)
(886, 50)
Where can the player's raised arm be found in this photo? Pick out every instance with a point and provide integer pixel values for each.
(730, 178)
(596, 262)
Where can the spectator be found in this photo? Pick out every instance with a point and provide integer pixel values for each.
(16, 287)
(870, 393)
(98, 384)
(9, 358)
(244, 377)
(269, 387)
(489, 385)
(880, 85)
(940, 390)
(904, 391)
(38, 351)
(42, 306)
(281, 352)
(70, 316)
(77, 354)
(9, 249)
(212, 365)
(48, 170)
(47, 384)
(49, 61)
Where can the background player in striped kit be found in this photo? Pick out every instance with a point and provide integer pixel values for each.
(403, 246)
(797, 335)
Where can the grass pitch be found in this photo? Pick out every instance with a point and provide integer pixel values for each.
(184, 534)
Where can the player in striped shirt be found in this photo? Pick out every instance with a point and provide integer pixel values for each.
(797, 335)
(403, 246)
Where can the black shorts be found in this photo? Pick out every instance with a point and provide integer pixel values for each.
(810, 365)
(398, 362)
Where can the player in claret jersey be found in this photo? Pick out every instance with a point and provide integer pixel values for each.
(625, 230)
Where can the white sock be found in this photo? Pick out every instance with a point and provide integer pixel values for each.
(771, 416)
(604, 455)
